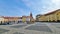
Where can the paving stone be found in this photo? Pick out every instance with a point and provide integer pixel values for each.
(56, 25)
(18, 26)
(3, 30)
(39, 28)
(18, 33)
(40, 24)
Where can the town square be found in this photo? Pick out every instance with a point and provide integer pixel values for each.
(29, 16)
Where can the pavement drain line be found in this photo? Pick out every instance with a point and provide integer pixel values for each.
(28, 26)
(51, 27)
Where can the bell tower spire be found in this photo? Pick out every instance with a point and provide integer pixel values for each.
(30, 14)
(31, 18)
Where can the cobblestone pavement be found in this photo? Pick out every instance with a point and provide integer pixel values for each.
(36, 28)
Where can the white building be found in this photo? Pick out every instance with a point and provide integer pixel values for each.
(1, 20)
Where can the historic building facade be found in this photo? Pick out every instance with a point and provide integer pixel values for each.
(52, 16)
(1, 19)
(7, 19)
(28, 19)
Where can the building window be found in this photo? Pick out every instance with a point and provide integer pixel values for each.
(57, 16)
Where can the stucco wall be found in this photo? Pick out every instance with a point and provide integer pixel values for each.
(51, 17)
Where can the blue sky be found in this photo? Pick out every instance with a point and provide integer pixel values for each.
(24, 7)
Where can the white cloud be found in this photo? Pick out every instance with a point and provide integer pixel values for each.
(38, 6)
(43, 6)
(55, 1)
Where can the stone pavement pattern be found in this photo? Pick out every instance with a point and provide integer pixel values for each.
(36, 28)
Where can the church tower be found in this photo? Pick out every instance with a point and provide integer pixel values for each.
(31, 18)
(31, 15)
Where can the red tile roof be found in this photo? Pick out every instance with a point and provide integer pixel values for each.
(52, 12)
(12, 17)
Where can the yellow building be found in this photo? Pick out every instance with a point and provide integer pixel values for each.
(28, 19)
(52, 16)
(11, 18)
